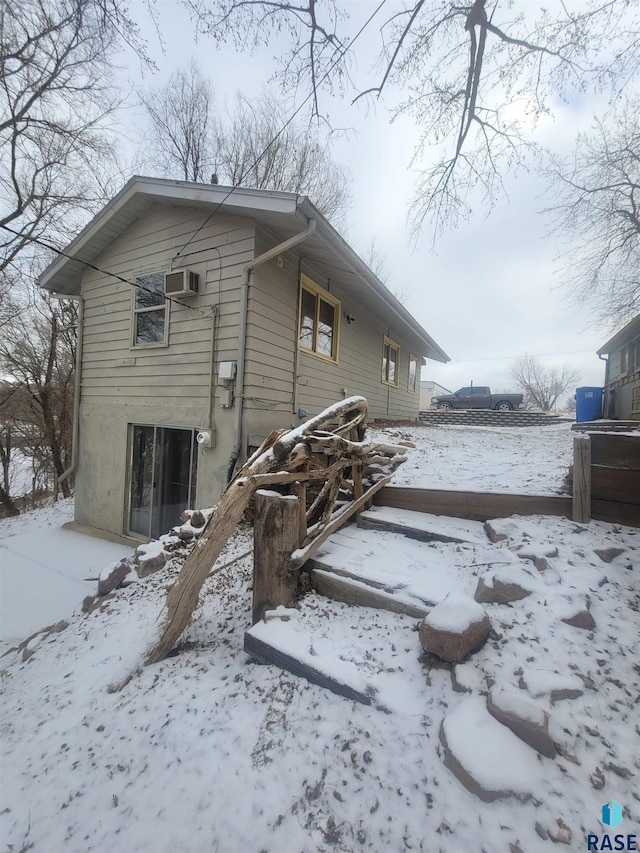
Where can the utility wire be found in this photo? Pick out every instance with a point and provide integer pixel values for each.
(282, 129)
(115, 275)
(272, 142)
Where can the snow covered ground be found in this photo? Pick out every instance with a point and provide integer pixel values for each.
(208, 751)
(45, 570)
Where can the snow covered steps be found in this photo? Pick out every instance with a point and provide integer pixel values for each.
(423, 526)
(376, 565)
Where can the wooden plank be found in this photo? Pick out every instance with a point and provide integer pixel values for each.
(479, 506)
(369, 522)
(275, 537)
(581, 478)
(616, 513)
(615, 484)
(341, 588)
(616, 451)
(264, 653)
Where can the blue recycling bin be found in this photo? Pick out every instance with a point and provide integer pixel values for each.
(588, 404)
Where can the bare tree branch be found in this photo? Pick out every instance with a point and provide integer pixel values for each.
(448, 64)
(598, 214)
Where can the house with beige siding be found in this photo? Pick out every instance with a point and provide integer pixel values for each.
(622, 376)
(208, 317)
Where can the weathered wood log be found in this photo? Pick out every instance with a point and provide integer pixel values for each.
(183, 595)
(278, 460)
(354, 407)
(275, 537)
(581, 478)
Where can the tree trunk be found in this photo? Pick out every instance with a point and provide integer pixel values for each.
(9, 507)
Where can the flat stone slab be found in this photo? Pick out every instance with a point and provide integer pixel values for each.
(487, 757)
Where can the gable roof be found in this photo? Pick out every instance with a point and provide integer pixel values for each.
(285, 213)
(626, 334)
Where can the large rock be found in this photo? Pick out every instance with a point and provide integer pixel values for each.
(526, 720)
(112, 576)
(503, 586)
(455, 628)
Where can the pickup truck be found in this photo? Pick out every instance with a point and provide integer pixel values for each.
(478, 397)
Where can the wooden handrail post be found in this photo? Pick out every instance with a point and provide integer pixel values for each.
(581, 478)
(275, 538)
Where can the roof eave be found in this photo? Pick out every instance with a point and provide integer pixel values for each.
(620, 338)
(339, 244)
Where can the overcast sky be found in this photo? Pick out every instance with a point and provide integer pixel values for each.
(492, 290)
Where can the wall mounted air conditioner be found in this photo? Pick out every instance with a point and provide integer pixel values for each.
(181, 283)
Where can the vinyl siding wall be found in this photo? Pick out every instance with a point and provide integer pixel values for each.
(281, 379)
(157, 385)
(621, 385)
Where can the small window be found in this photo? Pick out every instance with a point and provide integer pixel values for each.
(319, 319)
(413, 373)
(623, 359)
(149, 310)
(390, 361)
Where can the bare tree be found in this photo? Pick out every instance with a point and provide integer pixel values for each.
(181, 112)
(37, 352)
(253, 145)
(598, 212)
(476, 80)
(56, 100)
(257, 147)
(542, 386)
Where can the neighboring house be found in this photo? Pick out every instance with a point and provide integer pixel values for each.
(429, 390)
(622, 376)
(209, 317)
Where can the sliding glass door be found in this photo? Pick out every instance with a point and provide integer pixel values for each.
(163, 478)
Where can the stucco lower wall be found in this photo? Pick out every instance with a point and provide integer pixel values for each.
(102, 478)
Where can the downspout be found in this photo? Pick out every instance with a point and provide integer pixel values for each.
(242, 335)
(76, 389)
(606, 393)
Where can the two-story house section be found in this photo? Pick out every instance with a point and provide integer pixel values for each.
(209, 316)
(622, 379)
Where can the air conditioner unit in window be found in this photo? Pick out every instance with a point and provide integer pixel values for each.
(181, 283)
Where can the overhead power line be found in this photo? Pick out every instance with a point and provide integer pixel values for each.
(269, 145)
(281, 131)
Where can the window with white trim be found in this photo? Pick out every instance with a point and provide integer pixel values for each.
(319, 320)
(390, 361)
(150, 316)
(413, 374)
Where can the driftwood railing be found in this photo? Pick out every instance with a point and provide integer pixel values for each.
(330, 471)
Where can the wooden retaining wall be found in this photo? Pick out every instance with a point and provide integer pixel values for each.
(606, 477)
(479, 506)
